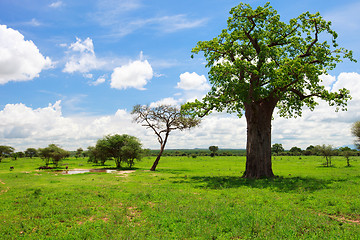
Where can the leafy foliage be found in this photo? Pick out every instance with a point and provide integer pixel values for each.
(122, 148)
(277, 148)
(6, 151)
(259, 63)
(31, 152)
(213, 150)
(79, 152)
(54, 153)
(326, 151)
(259, 57)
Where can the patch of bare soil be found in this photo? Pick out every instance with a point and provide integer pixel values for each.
(341, 218)
(125, 173)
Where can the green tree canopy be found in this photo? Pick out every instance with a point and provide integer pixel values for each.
(277, 148)
(326, 151)
(79, 152)
(30, 152)
(259, 63)
(122, 148)
(295, 150)
(54, 153)
(6, 151)
(213, 150)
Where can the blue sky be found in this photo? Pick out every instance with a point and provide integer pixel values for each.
(71, 71)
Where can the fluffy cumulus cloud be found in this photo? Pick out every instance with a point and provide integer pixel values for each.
(20, 59)
(133, 75)
(327, 81)
(98, 81)
(166, 101)
(82, 57)
(323, 125)
(22, 126)
(193, 81)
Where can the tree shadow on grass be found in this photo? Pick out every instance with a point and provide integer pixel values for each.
(278, 184)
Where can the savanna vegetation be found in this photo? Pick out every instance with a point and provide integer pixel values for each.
(186, 198)
(257, 64)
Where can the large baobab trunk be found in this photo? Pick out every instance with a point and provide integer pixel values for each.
(258, 147)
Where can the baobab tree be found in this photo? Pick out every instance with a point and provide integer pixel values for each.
(162, 120)
(355, 130)
(260, 63)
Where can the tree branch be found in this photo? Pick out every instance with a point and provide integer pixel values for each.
(312, 43)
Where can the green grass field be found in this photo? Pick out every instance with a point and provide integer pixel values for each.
(187, 198)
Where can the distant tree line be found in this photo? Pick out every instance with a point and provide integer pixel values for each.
(278, 150)
(198, 152)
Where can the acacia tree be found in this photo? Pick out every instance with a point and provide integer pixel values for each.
(6, 151)
(30, 152)
(162, 120)
(277, 148)
(54, 153)
(355, 130)
(213, 150)
(259, 63)
(122, 148)
(79, 152)
(326, 151)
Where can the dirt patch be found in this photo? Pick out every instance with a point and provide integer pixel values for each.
(341, 218)
(125, 172)
(2, 182)
(5, 190)
(92, 218)
(79, 171)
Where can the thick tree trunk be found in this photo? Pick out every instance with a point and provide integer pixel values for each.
(258, 148)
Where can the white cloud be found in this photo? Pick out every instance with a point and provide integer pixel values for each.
(193, 81)
(20, 59)
(99, 81)
(82, 58)
(88, 75)
(115, 14)
(327, 81)
(133, 75)
(34, 23)
(168, 23)
(166, 101)
(22, 127)
(323, 125)
(56, 4)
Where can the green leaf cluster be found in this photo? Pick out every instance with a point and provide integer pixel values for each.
(259, 58)
(54, 153)
(122, 148)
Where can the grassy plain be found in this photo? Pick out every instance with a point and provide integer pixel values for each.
(187, 198)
